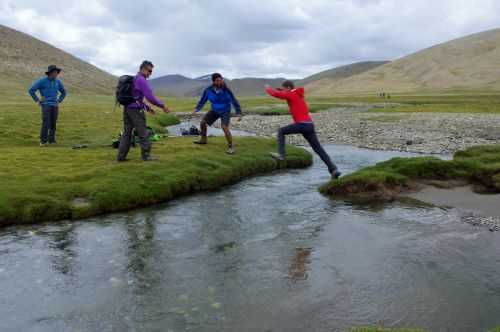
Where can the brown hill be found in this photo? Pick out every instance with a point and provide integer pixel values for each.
(24, 58)
(468, 63)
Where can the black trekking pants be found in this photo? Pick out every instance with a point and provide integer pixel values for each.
(134, 118)
(307, 130)
(49, 124)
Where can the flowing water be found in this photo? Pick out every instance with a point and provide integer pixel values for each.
(268, 254)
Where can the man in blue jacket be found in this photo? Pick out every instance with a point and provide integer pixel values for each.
(221, 98)
(52, 94)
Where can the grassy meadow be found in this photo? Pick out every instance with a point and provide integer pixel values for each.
(58, 182)
(456, 102)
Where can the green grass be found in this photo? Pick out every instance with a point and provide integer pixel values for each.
(39, 184)
(382, 329)
(478, 165)
(451, 103)
(162, 120)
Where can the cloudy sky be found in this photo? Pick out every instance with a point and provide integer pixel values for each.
(290, 38)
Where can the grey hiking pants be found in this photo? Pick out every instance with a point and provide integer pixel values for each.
(49, 122)
(309, 132)
(134, 118)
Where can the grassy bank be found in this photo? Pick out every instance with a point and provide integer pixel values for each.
(59, 182)
(479, 166)
(382, 329)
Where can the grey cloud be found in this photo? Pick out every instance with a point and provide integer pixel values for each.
(240, 38)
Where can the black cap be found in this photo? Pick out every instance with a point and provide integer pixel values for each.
(52, 68)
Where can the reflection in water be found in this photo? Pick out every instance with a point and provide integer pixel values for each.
(269, 254)
(62, 242)
(140, 249)
(298, 264)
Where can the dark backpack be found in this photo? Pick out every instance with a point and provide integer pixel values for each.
(124, 89)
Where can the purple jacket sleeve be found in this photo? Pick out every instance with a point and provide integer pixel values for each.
(143, 86)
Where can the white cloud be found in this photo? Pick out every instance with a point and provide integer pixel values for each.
(239, 38)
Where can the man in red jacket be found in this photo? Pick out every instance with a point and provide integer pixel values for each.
(303, 124)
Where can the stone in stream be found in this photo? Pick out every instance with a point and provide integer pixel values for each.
(224, 247)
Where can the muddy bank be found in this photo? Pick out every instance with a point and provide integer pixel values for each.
(478, 209)
(436, 133)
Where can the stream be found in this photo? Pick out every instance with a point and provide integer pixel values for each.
(268, 254)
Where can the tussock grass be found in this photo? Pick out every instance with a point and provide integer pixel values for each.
(478, 165)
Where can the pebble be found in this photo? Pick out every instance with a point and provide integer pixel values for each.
(429, 133)
(493, 223)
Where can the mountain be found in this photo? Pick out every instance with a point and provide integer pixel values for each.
(468, 63)
(177, 85)
(181, 86)
(24, 58)
(343, 71)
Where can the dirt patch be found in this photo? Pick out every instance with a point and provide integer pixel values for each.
(81, 203)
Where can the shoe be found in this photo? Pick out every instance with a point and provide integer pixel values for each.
(201, 141)
(231, 150)
(52, 143)
(122, 160)
(43, 145)
(277, 156)
(149, 158)
(336, 174)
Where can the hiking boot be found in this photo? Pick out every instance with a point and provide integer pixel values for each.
(230, 150)
(202, 141)
(149, 158)
(336, 174)
(277, 156)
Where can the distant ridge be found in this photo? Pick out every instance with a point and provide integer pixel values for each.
(178, 85)
(470, 63)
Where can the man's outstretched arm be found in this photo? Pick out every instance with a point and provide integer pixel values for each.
(277, 94)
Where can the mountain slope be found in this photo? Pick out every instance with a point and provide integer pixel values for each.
(177, 85)
(24, 58)
(343, 71)
(468, 63)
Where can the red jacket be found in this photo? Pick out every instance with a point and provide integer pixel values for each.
(296, 103)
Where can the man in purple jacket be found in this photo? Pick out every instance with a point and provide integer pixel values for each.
(134, 115)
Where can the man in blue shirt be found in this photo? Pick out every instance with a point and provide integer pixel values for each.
(52, 94)
(221, 98)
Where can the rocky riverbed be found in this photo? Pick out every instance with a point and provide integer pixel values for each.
(436, 133)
